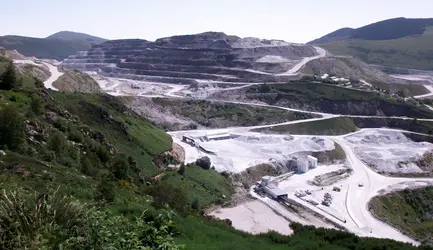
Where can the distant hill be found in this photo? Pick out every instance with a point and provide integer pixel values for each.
(57, 46)
(76, 36)
(398, 42)
(334, 36)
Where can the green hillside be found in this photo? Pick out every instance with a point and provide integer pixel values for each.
(408, 210)
(407, 52)
(57, 47)
(76, 36)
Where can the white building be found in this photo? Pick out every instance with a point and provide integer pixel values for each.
(217, 135)
(302, 164)
(312, 162)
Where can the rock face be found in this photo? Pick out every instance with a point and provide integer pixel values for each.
(186, 59)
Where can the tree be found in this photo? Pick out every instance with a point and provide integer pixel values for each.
(195, 205)
(105, 189)
(120, 167)
(9, 78)
(11, 128)
(182, 169)
(57, 143)
(203, 162)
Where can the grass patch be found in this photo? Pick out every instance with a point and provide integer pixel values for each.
(205, 186)
(333, 126)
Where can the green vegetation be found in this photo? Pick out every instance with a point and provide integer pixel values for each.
(424, 127)
(205, 186)
(408, 210)
(222, 115)
(407, 52)
(333, 99)
(333, 126)
(44, 47)
(8, 79)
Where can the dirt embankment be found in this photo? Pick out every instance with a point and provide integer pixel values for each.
(77, 81)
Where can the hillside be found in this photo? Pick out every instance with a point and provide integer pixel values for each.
(395, 42)
(59, 46)
(76, 36)
(408, 210)
(358, 72)
(312, 96)
(176, 114)
(76, 81)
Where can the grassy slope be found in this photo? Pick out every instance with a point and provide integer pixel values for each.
(404, 210)
(219, 115)
(409, 52)
(205, 186)
(43, 48)
(333, 126)
(143, 138)
(333, 99)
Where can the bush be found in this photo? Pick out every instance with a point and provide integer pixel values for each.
(105, 189)
(203, 162)
(75, 135)
(36, 105)
(181, 170)
(164, 194)
(120, 167)
(57, 143)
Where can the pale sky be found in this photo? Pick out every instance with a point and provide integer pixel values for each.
(290, 20)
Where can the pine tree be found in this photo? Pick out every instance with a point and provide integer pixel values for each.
(9, 78)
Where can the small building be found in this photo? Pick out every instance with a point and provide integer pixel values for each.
(274, 191)
(217, 135)
(270, 187)
(312, 162)
(302, 164)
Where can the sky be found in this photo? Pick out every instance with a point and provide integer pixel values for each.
(290, 20)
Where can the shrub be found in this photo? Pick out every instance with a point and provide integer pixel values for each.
(75, 135)
(195, 205)
(203, 162)
(11, 128)
(36, 105)
(57, 143)
(181, 170)
(105, 189)
(120, 167)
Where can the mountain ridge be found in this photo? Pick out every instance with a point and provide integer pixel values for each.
(51, 47)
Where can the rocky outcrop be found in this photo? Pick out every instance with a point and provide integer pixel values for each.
(210, 56)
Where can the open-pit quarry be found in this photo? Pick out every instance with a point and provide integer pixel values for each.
(334, 195)
(329, 195)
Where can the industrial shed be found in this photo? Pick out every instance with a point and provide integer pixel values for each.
(217, 135)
